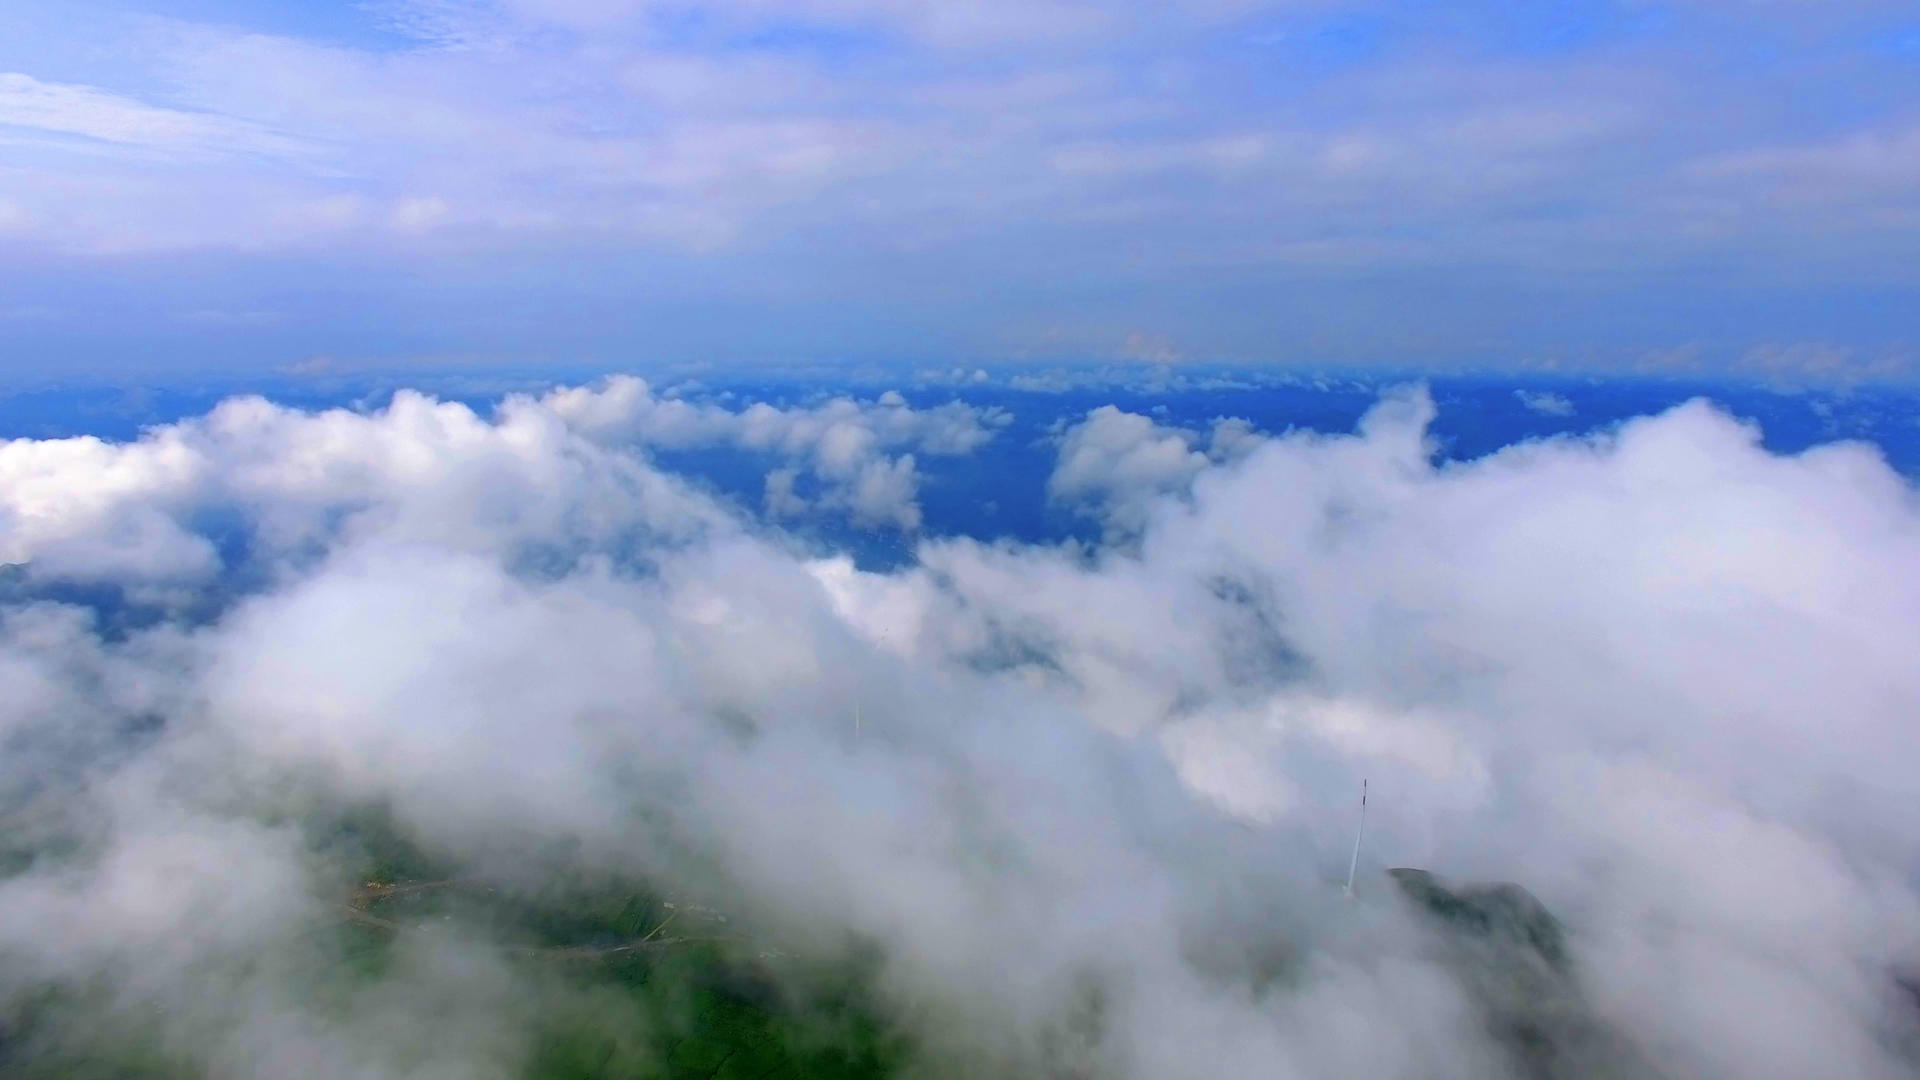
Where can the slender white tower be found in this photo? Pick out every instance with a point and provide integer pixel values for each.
(1355, 864)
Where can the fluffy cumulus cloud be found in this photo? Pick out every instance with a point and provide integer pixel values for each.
(1118, 464)
(1067, 809)
(843, 445)
(550, 474)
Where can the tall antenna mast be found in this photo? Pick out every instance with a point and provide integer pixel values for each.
(1355, 864)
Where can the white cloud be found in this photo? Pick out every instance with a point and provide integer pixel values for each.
(1545, 402)
(1799, 364)
(1659, 674)
(65, 109)
(12, 216)
(581, 126)
(1120, 464)
(420, 469)
(83, 509)
(420, 213)
(963, 25)
(1125, 460)
(845, 445)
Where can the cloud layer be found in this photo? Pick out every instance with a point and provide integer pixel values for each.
(1233, 180)
(1659, 675)
(556, 473)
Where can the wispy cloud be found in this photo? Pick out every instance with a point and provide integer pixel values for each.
(1160, 157)
(63, 109)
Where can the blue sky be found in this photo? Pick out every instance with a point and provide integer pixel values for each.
(1689, 188)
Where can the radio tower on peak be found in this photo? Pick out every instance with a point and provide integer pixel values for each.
(1354, 865)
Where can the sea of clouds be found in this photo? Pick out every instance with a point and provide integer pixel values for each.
(1665, 678)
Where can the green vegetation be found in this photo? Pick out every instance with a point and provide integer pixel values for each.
(1503, 913)
(600, 978)
(1511, 957)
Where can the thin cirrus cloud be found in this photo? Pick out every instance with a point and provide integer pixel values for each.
(61, 109)
(1240, 180)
